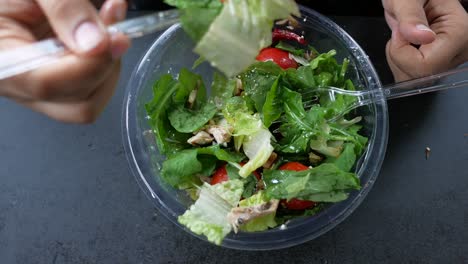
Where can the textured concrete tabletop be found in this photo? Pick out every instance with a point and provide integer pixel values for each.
(67, 195)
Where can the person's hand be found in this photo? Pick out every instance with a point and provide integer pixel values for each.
(428, 36)
(77, 87)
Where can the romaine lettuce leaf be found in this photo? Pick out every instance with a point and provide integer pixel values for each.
(257, 147)
(250, 182)
(208, 215)
(325, 183)
(196, 16)
(240, 117)
(181, 4)
(240, 31)
(255, 138)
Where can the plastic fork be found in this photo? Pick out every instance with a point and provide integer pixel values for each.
(417, 86)
(30, 57)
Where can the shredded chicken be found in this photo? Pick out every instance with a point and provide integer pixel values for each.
(293, 22)
(290, 21)
(242, 215)
(239, 87)
(204, 178)
(314, 158)
(200, 138)
(221, 131)
(193, 95)
(270, 160)
(282, 22)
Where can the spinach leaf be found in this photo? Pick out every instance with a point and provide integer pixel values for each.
(346, 159)
(302, 79)
(168, 140)
(187, 82)
(190, 119)
(222, 89)
(290, 48)
(258, 80)
(221, 154)
(181, 168)
(273, 106)
(187, 120)
(208, 162)
(283, 214)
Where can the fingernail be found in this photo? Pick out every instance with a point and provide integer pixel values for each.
(424, 28)
(120, 12)
(88, 36)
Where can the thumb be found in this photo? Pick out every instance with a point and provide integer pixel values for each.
(412, 21)
(77, 24)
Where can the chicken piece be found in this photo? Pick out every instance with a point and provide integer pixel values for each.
(270, 160)
(193, 95)
(239, 87)
(221, 131)
(200, 138)
(242, 215)
(314, 158)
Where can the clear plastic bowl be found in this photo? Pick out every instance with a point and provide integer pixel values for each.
(173, 51)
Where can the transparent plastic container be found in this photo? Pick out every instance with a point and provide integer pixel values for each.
(173, 51)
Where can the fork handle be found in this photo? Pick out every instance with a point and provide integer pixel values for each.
(427, 84)
(33, 56)
(30, 57)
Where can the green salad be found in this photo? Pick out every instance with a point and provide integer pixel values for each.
(259, 150)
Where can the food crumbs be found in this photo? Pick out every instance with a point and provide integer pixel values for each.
(428, 152)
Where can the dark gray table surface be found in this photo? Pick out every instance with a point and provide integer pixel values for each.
(67, 195)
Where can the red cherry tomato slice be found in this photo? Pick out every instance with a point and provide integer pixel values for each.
(220, 175)
(294, 166)
(278, 56)
(296, 204)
